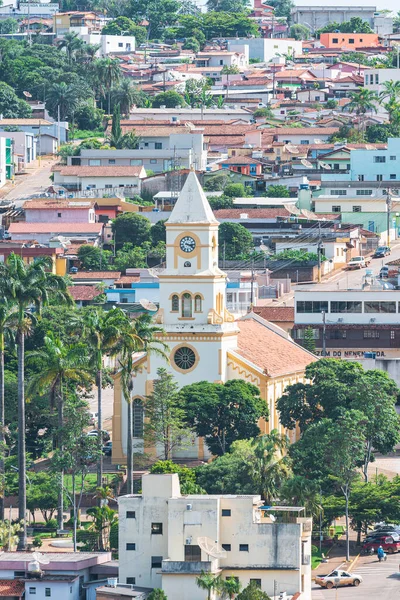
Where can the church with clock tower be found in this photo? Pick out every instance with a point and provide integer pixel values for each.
(205, 341)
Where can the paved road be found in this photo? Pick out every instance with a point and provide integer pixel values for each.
(35, 181)
(381, 581)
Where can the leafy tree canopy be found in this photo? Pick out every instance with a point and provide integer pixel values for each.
(187, 477)
(131, 228)
(235, 241)
(169, 99)
(277, 191)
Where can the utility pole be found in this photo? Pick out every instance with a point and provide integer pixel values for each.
(323, 334)
(58, 128)
(319, 248)
(252, 285)
(29, 23)
(388, 209)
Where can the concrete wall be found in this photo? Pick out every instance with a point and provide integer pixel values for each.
(24, 144)
(315, 17)
(75, 215)
(267, 48)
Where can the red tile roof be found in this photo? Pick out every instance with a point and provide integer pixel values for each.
(128, 279)
(269, 351)
(240, 160)
(252, 213)
(97, 275)
(275, 314)
(53, 203)
(55, 228)
(83, 292)
(12, 587)
(76, 171)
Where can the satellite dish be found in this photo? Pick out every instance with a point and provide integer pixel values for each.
(306, 163)
(292, 149)
(27, 94)
(40, 558)
(273, 518)
(325, 166)
(211, 548)
(147, 305)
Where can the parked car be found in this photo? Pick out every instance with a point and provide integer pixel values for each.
(387, 542)
(338, 579)
(95, 433)
(107, 448)
(386, 272)
(379, 534)
(381, 252)
(358, 262)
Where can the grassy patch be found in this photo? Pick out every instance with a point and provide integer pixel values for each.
(316, 557)
(85, 134)
(90, 482)
(340, 529)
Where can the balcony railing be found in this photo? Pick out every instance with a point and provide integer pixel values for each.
(184, 566)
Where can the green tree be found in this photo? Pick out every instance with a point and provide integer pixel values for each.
(216, 182)
(300, 32)
(236, 190)
(309, 340)
(12, 107)
(126, 94)
(131, 228)
(60, 365)
(253, 592)
(264, 112)
(218, 202)
(283, 8)
(300, 491)
(208, 582)
(109, 74)
(269, 468)
(71, 42)
(223, 413)
(94, 258)
(191, 44)
(125, 26)
(277, 191)
(63, 98)
(217, 24)
(27, 286)
(235, 241)
(165, 424)
(9, 25)
(229, 6)
(157, 594)
(86, 116)
(391, 92)
(187, 476)
(229, 587)
(169, 99)
(158, 232)
(42, 495)
(362, 102)
(130, 257)
(104, 518)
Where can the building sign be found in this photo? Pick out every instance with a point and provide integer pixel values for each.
(44, 5)
(356, 353)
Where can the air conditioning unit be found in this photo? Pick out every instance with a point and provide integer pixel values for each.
(189, 507)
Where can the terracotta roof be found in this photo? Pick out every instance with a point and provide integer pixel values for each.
(250, 82)
(72, 249)
(83, 292)
(128, 279)
(306, 130)
(76, 171)
(12, 587)
(293, 73)
(252, 213)
(53, 204)
(227, 140)
(240, 160)
(97, 275)
(275, 314)
(55, 228)
(34, 122)
(269, 351)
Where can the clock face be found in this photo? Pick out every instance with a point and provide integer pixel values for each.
(187, 244)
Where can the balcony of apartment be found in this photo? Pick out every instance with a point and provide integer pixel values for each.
(189, 567)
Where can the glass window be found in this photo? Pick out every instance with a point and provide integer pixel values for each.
(392, 335)
(32, 590)
(356, 208)
(363, 192)
(226, 512)
(392, 158)
(131, 580)
(130, 546)
(94, 162)
(156, 562)
(175, 303)
(130, 514)
(111, 161)
(156, 528)
(184, 358)
(338, 334)
(243, 547)
(379, 307)
(256, 582)
(379, 159)
(379, 177)
(192, 553)
(338, 192)
(153, 161)
(136, 162)
(371, 334)
(47, 592)
(197, 303)
(392, 175)
(307, 306)
(226, 547)
(186, 305)
(138, 414)
(346, 307)
(337, 209)
(158, 145)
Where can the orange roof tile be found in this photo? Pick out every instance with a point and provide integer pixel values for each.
(54, 203)
(269, 351)
(275, 314)
(56, 228)
(97, 275)
(12, 587)
(83, 292)
(252, 213)
(76, 171)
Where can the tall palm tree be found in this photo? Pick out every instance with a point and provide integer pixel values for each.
(30, 287)
(7, 309)
(143, 336)
(63, 97)
(270, 468)
(230, 587)
(60, 364)
(86, 54)
(391, 91)
(125, 95)
(72, 43)
(109, 73)
(208, 582)
(362, 102)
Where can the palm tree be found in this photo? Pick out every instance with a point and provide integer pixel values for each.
(142, 337)
(208, 582)
(120, 140)
(361, 102)
(103, 332)
(104, 518)
(60, 364)
(300, 491)
(125, 95)
(7, 308)
(86, 54)
(229, 70)
(72, 43)
(63, 97)
(391, 90)
(230, 587)
(269, 467)
(30, 286)
(109, 73)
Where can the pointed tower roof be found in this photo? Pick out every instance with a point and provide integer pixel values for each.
(192, 205)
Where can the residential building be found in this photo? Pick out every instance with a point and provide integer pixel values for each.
(17, 9)
(24, 146)
(222, 58)
(349, 41)
(84, 294)
(108, 44)
(265, 49)
(205, 341)
(357, 321)
(38, 128)
(3, 161)
(315, 17)
(161, 543)
(45, 232)
(46, 210)
(304, 135)
(190, 114)
(31, 252)
(77, 178)
(136, 285)
(63, 22)
(242, 164)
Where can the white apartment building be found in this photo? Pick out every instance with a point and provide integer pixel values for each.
(108, 43)
(239, 57)
(266, 49)
(159, 544)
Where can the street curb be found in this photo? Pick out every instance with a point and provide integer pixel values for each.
(351, 565)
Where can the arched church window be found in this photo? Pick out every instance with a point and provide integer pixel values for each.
(184, 358)
(187, 305)
(197, 303)
(138, 416)
(175, 303)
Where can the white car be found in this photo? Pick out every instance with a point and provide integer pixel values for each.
(338, 578)
(358, 262)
